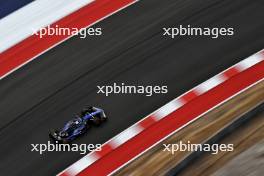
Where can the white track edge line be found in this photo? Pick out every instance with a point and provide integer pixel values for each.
(53, 46)
(177, 98)
(214, 107)
(120, 9)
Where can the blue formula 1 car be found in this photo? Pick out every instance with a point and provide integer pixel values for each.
(79, 125)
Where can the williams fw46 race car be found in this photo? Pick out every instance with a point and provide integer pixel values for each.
(79, 125)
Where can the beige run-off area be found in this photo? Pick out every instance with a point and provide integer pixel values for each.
(248, 139)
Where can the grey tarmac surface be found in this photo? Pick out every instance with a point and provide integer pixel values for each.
(47, 92)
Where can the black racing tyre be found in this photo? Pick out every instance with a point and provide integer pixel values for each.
(51, 134)
(103, 119)
(96, 121)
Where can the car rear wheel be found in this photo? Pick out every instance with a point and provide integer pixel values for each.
(96, 120)
(104, 118)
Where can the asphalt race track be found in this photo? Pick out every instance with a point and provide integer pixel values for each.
(46, 93)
